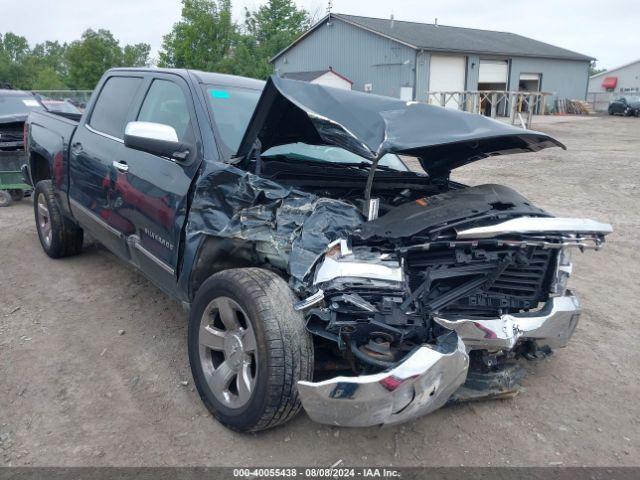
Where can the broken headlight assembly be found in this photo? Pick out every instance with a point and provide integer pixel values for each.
(563, 272)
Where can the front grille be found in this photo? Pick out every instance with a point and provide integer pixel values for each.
(520, 286)
(525, 282)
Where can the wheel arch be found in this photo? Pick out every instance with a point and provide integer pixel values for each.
(39, 168)
(216, 254)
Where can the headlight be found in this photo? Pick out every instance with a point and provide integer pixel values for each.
(342, 262)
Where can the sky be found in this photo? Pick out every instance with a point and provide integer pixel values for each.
(607, 30)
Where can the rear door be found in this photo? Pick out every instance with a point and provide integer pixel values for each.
(95, 147)
(151, 195)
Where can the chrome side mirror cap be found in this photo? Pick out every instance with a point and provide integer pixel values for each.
(155, 138)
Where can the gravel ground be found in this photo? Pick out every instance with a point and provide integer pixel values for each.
(94, 368)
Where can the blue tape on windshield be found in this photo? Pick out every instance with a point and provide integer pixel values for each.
(219, 94)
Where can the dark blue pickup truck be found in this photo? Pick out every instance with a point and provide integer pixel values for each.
(317, 268)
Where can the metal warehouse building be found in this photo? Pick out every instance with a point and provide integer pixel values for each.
(620, 80)
(408, 60)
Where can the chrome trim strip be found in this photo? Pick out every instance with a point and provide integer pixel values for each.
(309, 301)
(537, 225)
(138, 246)
(102, 134)
(590, 242)
(75, 204)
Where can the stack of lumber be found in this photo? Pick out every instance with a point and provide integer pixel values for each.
(564, 106)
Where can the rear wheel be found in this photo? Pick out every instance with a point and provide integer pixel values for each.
(5, 198)
(59, 236)
(248, 348)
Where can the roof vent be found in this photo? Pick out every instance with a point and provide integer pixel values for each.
(435, 22)
(392, 20)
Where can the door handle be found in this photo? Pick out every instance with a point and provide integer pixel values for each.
(121, 166)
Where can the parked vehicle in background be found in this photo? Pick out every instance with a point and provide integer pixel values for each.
(627, 106)
(60, 106)
(15, 106)
(317, 269)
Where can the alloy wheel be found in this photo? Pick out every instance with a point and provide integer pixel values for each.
(44, 219)
(228, 352)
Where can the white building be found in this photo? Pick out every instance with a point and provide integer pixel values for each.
(620, 80)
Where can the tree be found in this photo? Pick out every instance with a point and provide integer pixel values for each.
(51, 55)
(202, 39)
(89, 57)
(48, 79)
(14, 50)
(273, 27)
(136, 55)
(594, 70)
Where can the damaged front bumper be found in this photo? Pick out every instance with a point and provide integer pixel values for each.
(422, 383)
(426, 379)
(552, 326)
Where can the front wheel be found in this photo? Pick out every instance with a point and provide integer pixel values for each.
(248, 348)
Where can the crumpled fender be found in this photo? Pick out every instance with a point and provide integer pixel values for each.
(229, 202)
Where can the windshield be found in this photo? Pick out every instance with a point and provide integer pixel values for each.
(232, 108)
(324, 153)
(13, 104)
(633, 99)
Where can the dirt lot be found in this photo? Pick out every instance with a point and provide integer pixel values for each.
(73, 391)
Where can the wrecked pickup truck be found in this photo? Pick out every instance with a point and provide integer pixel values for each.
(317, 269)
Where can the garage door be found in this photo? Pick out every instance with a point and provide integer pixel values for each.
(446, 74)
(493, 71)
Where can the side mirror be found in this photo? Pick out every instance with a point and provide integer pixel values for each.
(155, 138)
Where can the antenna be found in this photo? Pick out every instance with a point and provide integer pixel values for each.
(329, 6)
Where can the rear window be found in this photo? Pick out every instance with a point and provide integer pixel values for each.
(13, 104)
(112, 107)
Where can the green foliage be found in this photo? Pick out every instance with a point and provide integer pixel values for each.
(55, 66)
(207, 39)
(273, 27)
(89, 57)
(136, 55)
(202, 39)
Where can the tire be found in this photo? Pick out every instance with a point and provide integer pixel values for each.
(610, 111)
(58, 235)
(5, 199)
(17, 195)
(262, 305)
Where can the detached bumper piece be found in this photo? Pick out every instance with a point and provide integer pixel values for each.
(433, 375)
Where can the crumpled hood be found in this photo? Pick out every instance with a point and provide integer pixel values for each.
(368, 125)
(479, 202)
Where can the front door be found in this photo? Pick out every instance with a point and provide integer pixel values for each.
(151, 195)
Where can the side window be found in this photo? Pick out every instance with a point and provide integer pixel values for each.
(116, 97)
(165, 103)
